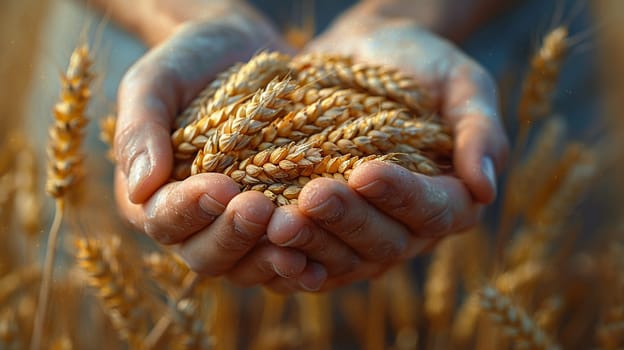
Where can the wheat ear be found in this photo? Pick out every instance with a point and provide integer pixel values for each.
(516, 323)
(119, 297)
(377, 80)
(192, 112)
(64, 161)
(107, 134)
(234, 135)
(541, 79)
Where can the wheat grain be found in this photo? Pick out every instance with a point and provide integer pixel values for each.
(192, 112)
(517, 325)
(120, 298)
(541, 79)
(236, 132)
(377, 80)
(195, 336)
(167, 270)
(549, 313)
(107, 134)
(66, 133)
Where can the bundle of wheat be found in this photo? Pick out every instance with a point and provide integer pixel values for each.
(274, 123)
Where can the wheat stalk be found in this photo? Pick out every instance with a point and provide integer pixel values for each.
(440, 286)
(64, 161)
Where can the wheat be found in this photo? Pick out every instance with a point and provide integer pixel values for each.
(515, 322)
(66, 133)
(120, 298)
(377, 80)
(64, 160)
(236, 132)
(403, 307)
(167, 270)
(107, 134)
(192, 112)
(541, 79)
(465, 322)
(549, 313)
(195, 336)
(440, 286)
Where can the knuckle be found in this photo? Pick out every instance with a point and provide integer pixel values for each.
(231, 243)
(203, 267)
(159, 233)
(346, 266)
(357, 228)
(439, 221)
(386, 250)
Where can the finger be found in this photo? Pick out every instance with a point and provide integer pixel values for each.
(428, 206)
(155, 89)
(216, 249)
(178, 209)
(265, 262)
(337, 208)
(481, 147)
(312, 279)
(289, 227)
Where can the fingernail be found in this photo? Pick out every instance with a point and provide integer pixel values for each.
(329, 210)
(374, 189)
(489, 171)
(279, 272)
(313, 278)
(139, 169)
(303, 232)
(210, 206)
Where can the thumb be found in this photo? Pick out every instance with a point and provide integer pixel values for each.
(157, 87)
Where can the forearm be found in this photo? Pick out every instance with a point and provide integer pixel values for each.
(154, 20)
(451, 19)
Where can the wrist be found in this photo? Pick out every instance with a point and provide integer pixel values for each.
(157, 20)
(450, 19)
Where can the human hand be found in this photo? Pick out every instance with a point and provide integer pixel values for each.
(386, 214)
(216, 230)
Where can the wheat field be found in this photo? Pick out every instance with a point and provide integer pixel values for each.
(544, 270)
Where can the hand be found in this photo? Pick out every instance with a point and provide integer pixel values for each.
(386, 214)
(214, 228)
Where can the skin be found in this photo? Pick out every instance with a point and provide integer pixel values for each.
(339, 232)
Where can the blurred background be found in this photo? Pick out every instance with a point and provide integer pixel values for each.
(38, 36)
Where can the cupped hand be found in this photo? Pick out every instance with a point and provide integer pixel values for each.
(216, 229)
(385, 214)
